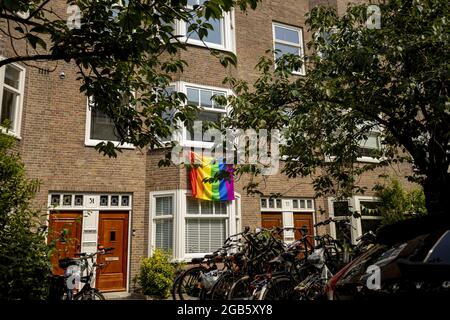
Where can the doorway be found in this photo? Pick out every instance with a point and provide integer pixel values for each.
(113, 232)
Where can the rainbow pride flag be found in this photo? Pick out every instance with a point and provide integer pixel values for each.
(203, 168)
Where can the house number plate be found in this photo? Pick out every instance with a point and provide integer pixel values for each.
(112, 259)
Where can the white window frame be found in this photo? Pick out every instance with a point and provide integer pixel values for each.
(154, 217)
(23, 14)
(225, 217)
(299, 45)
(355, 206)
(179, 221)
(353, 229)
(372, 159)
(237, 213)
(228, 34)
(358, 200)
(287, 204)
(88, 142)
(181, 135)
(376, 130)
(16, 129)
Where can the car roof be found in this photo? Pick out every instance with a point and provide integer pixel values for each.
(410, 228)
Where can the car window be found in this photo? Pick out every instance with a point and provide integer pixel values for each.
(440, 252)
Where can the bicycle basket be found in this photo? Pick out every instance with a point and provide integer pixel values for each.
(317, 257)
(209, 279)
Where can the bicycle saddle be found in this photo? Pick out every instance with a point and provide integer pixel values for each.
(288, 256)
(277, 260)
(197, 260)
(67, 262)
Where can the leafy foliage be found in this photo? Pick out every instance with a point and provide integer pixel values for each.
(24, 255)
(397, 204)
(126, 55)
(157, 274)
(394, 80)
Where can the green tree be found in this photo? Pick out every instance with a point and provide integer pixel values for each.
(393, 79)
(397, 204)
(24, 255)
(126, 53)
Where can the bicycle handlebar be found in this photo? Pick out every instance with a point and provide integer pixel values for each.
(367, 236)
(84, 255)
(331, 219)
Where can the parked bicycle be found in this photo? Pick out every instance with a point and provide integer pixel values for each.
(259, 265)
(79, 269)
(196, 282)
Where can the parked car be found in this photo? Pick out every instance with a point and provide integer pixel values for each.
(410, 258)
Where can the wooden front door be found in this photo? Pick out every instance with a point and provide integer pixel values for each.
(303, 220)
(271, 220)
(113, 232)
(64, 231)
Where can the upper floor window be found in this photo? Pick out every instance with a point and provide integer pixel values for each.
(209, 111)
(220, 37)
(100, 127)
(288, 40)
(368, 146)
(195, 133)
(12, 83)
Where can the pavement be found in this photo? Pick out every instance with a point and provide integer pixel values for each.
(123, 296)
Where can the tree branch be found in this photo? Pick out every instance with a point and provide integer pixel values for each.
(37, 10)
(54, 57)
(10, 17)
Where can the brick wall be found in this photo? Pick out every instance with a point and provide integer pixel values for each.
(54, 121)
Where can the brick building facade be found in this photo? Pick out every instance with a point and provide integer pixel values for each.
(150, 206)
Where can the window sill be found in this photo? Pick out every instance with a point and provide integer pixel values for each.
(360, 159)
(10, 133)
(93, 143)
(189, 256)
(197, 144)
(299, 73)
(368, 160)
(207, 45)
(164, 145)
(296, 73)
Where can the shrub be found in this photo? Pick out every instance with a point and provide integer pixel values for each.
(24, 254)
(157, 274)
(397, 204)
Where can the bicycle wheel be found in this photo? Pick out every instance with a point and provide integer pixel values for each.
(222, 287)
(189, 286)
(280, 288)
(92, 294)
(312, 288)
(175, 286)
(241, 289)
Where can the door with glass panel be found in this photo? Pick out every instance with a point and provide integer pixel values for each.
(342, 211)
(113, 232)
